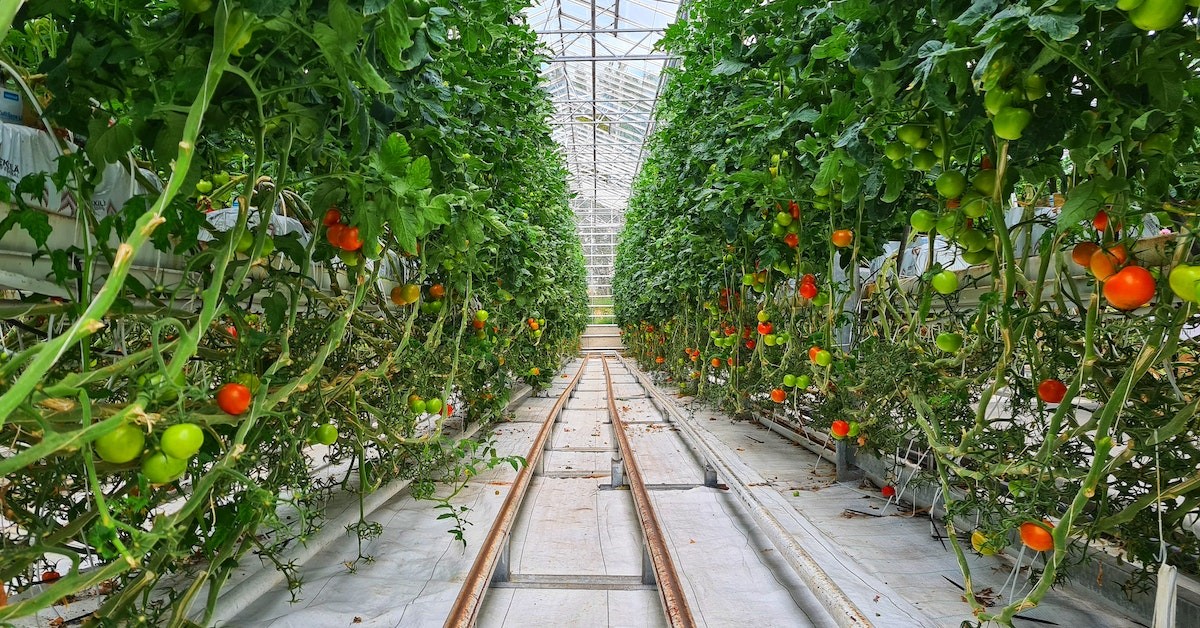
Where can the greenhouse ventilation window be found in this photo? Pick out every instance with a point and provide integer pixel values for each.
(604, 75)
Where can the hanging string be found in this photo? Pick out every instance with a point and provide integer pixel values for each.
(1164, 598)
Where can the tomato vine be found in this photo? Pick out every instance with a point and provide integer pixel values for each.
(801, 141)
(423, 124)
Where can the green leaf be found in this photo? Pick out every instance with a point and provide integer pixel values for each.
(267, 9)
(393, 155)
(276, 308)
(109, 144)
(893, 185)
(419, 173)
(438, 210)
(729, 66)
(1058, 27)
(1082, 203)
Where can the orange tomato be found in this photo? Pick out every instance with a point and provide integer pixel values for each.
(659, 360)
(778, 395)
(437, 291)
(812, 353)
(477, 324)
(1082, 253)
(716, 362)
(1100, 222)
(1130, 288)
(842, 238)
(332, 217)
(1036, 535)
(1105, 262)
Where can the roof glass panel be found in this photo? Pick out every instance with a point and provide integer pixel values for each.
(604, 75)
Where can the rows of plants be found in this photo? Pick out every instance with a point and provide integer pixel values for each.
(155, 419)
(1053, 383)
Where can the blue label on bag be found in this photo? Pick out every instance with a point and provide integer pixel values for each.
(12, 96)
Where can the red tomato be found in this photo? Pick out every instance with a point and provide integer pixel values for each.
(350, 240)
(842, 238)
(888, 491)
(50, 576)
(335, 233)
(1051, 391)
(233, 398)
(808, 290)
(792, 240)
(794, 209)
(750, 344)
(808, 278)
(1100, 222)
(1130, 288)
(839, 428)
(778, 395)
(765, 328)
(332, 217)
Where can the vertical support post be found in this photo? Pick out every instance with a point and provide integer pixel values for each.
(847, 464)
(504, 561)
(710, 476)
(618, 471)
(647, 567)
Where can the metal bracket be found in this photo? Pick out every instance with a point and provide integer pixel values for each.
(618, 471)
(647, 567)
(503, 561)
(710, 476)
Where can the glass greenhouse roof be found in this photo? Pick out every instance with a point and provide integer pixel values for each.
(604, 76)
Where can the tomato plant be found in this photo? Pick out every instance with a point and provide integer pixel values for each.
(408, 153)
(916, 135)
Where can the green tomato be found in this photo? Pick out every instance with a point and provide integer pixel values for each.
(912, 135)
(824, 358)
(245, 243)
(159, 468)
(433, 405)
(950, 225)
(803, 382)
(945, 282)
(924, 160)
(939, 148)
(922, 220)
(984, 182)
(417, 406)
(976, 207)
(789, 380)
(1010, 122)
(855, 428)
(481, 316)
(996, 99)
(1185, 282)
(896, 150)
(783, 218)
(204, 186)
(949, 342)
(1035, 86)
(182, 441)
(950, 184)
(977, 257)
(778, 230)
(326, 434)
(121, 445)
(972, 240)
(770, 340)
(1157, 15)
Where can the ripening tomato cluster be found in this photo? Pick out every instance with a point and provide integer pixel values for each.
(808, 287)
(1127, 286)
(340, 235)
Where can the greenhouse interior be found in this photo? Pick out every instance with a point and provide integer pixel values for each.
(575, 313)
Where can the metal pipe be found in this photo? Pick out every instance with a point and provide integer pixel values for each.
(670, 590)
(470, 597)
(594, 58)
